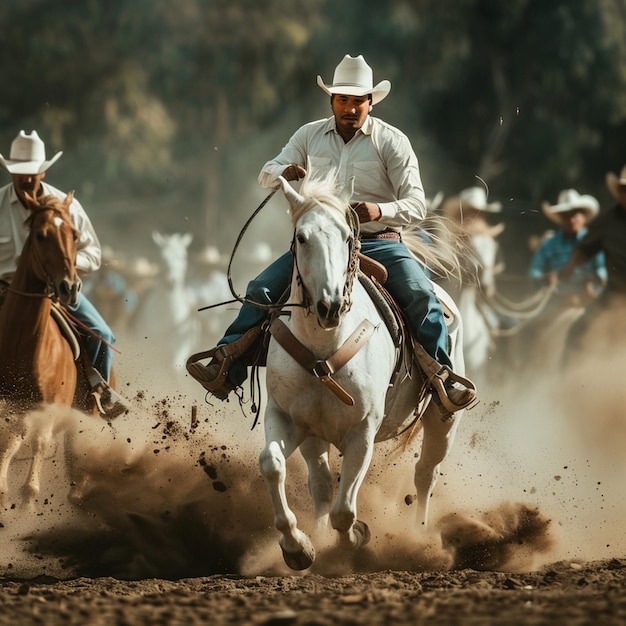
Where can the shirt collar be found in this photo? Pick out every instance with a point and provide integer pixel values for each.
(366, 129)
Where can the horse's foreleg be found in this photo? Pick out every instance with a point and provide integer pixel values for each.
(40, 428)
(298, 551)
(315, 453)
(11, 447)
(357, 455)
(436, 444)
(31, 488)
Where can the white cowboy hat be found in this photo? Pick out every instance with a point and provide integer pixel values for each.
(470, 198)
(28, 155)
(141, 267)
(568, 200)
(259, 252)
(613, 182)
(354, 77)
(210, 256)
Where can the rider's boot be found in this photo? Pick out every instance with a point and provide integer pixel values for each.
(110, 404)
(454, 392)
(214, 376)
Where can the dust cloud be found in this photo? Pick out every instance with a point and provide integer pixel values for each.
(173, 488)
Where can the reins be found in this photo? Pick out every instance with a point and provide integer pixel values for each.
(51, 296)
(29, 294)
(236, 296)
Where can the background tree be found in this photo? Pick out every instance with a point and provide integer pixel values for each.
(166, 110)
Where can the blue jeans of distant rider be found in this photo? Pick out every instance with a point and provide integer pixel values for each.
(100, 353)
(407, 283)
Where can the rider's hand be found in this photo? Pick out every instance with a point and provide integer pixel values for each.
(293, 172)
(367, 211)
(552, 279)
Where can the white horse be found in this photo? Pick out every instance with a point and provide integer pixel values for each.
(353, 407)
(480, 321)
(167, 316)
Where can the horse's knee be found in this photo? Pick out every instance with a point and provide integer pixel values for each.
(272, 461)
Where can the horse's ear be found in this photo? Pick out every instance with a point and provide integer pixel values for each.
(157, 237)
(293, 197)
(30, 200)
(347, 192)
(69, 199)
(186, 239)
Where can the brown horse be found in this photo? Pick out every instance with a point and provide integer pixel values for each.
(40, 376)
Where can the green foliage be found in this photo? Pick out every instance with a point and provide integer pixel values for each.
(153, 98)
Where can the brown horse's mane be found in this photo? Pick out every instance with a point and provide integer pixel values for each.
(43, 204)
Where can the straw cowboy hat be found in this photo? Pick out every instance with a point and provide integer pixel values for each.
(613, 182)
(28, 155)
(209, 256)
(471, 198)
(141, 267)
(354, 77)
(259, 253)
(569, 200)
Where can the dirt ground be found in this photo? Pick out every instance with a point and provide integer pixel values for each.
(561, 593)
(162, 517)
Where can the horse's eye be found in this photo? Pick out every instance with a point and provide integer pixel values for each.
(40, 236)
(300, 238)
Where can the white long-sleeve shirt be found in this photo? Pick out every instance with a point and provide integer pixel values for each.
(13, 233)
(379, 156)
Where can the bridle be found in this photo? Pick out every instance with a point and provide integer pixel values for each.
(354, 246)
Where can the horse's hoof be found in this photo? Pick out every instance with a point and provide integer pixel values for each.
(303, 558)
(362, 531)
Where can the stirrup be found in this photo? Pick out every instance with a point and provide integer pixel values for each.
(224, 355)
(438, 382)
(103, 394)
(220, 386)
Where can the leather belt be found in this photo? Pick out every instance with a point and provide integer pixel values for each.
(383, 234)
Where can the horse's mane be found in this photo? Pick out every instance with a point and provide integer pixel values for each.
(46, 203)
(435, 241)
(323, 191)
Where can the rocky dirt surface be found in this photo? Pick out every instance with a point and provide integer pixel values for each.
(561, 593)
(161, 517)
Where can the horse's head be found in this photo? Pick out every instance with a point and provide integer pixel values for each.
(323, 248)
(173, 254)
(51, 246)
(487, 251)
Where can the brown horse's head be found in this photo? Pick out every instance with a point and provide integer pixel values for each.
(51, 246)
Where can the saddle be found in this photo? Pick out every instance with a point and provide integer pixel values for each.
(67, 328)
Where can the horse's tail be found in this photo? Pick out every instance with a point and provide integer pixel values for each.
(437, 242)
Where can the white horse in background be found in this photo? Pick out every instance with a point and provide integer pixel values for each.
(478, 288)
(168, 318)
(347, 404)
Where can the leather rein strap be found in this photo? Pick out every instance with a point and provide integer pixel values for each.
(320, 368)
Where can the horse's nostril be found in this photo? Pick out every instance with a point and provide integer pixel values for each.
(328, 310)
(321, 309)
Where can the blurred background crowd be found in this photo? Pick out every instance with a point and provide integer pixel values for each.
(165, 111)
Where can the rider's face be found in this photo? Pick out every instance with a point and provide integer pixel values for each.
(574, 221)
(27, 183)
(350, 113)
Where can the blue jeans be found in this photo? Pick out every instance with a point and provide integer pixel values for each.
(407, 283)
(100, 354)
